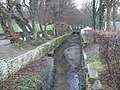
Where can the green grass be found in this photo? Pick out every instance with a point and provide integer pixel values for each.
(98, 66)
(37, 28)
(20, 44)
(95, 60)
(18, 29)
(85, 40)
(15, 26)
(91, 80)
(1, 30)
(29, 83)
(49, 27)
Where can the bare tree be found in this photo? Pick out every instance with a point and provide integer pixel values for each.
(44, 15)
(115, 13)
(59, 9)
(109, 4)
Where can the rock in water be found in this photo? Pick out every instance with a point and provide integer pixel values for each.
(84, 54)
(97, 85)
(51, 52)
(92, 73)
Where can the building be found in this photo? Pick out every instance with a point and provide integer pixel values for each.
(112, 27)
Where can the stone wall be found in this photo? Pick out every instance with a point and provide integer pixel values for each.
(9, 67)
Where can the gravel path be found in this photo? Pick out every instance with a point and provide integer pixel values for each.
(10, 51)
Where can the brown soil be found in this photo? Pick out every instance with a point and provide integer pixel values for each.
(37, 68)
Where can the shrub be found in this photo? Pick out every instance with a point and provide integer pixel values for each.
(20, 44)
(90, 35)
(110, 56)
(29, 83)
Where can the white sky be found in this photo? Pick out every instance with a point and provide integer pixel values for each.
(79, 3)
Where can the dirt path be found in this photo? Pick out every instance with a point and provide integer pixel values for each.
(10, 51)
(67, 66)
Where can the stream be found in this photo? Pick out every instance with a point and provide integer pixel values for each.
(68, 73)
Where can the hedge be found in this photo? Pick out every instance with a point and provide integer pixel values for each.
(109, 42)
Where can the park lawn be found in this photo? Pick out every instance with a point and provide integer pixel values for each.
(49, 27)
(37, 28)
(1, 30)
(15, 26)
(18, 29)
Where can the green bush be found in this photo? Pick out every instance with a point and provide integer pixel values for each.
(20, 44)
(29, 83)
(83, 87)
(91, 80)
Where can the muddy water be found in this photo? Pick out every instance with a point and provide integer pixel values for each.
(68, 71)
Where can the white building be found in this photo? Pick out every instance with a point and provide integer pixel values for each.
(85, 29)
(111, 25)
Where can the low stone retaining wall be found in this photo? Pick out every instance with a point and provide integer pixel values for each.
(10, 67)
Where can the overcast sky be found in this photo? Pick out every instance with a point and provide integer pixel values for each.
(79, 3)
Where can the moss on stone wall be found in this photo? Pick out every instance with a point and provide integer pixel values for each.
(54, 44)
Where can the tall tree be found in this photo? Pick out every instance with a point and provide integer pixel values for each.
(94, 14)
(86, 14)
(114, 13)
(101, 11)
(33, 4)
(60, 7)
(109, 4)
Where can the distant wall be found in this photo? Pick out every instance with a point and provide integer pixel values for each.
(9, 67)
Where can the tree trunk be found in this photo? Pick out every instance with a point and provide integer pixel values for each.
(42, 30)
(94, 15)
(101, 14)
(22, 18)
(34, 32)
(26, 33)
(22, 25)
(45, 31)
(108, 18)
(10, 6)
(3, 25)
(56, 30)
(114, 15)
(35, 35)
(10, 24)
(32, 15)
